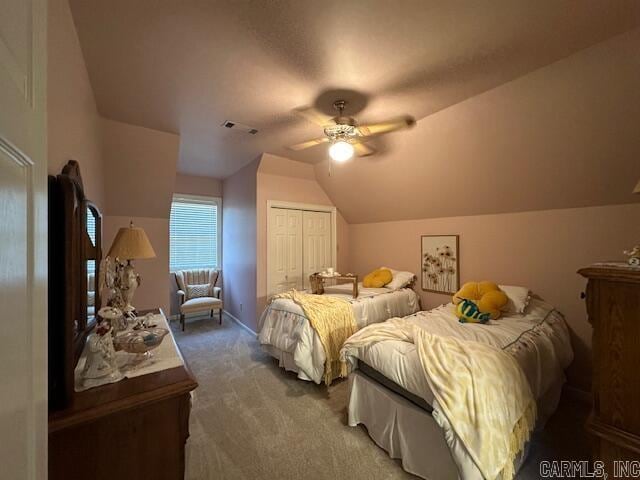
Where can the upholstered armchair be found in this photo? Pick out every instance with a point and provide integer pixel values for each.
(197, 292)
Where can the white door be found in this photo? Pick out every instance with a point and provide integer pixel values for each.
(23, 240)
(285, 250)
(316, 250)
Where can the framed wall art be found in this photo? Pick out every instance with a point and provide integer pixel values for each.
(440, 263)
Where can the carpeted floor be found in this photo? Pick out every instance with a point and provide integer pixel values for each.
(252, 420)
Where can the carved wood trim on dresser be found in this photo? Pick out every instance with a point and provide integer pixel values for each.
(613, 308)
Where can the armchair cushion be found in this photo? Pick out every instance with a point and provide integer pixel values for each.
(200, 304)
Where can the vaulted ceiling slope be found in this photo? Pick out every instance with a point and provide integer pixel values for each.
(185, 66)
(563, 136)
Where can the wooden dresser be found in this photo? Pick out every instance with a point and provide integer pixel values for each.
(133, 429)
(613, 306)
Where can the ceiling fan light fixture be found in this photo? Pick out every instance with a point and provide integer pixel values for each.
(341, 151)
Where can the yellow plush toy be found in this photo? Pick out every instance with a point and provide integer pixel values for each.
(378, 278)
(487, 298)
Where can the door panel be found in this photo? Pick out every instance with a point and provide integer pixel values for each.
(13, 295)
(285, 255)
(23, 239)
(317, 242)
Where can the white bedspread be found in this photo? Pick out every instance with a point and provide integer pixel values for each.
(539, 341)
(285, 332)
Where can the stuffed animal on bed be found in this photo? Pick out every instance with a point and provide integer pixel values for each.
(478, 302)
(468, 312)
(378, 278)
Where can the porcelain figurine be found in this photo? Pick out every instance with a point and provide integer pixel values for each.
(129, 282)
(634, 256)
(115, 317)
(101, 357)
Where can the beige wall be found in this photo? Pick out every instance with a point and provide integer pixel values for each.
(140, 166)
(239, 244)
(73, 121)
(140, 174)
(153, 292)
(541, 250)
(196, 185)
(290, 181)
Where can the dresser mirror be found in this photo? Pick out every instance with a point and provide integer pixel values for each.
(75, 251)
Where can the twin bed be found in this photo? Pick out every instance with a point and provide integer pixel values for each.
(391, 396)
(286, 334)
(390, 393)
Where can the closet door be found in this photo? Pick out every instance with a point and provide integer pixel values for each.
(316, 233)
(285, 250)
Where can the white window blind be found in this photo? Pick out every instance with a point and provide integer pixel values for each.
(193, 233)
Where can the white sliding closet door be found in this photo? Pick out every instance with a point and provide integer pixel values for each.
(285, 250)
(316, 234)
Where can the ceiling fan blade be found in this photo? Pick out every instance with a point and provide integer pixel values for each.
(363, 150)
(314, 116)
(308, 144)
(386, 127)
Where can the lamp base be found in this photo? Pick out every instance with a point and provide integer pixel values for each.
(129, 283)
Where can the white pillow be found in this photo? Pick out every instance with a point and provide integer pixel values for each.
(518, 298)
(198, 291)
(400, 279)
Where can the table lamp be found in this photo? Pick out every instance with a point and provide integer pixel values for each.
(131, 243)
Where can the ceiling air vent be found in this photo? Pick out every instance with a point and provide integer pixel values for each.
(240, 127)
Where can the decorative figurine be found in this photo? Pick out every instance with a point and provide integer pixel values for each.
(634, 256)
(115, 318)
(121, 281)
(100, 366)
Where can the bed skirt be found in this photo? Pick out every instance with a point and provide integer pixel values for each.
(408, 432)
(285, 360)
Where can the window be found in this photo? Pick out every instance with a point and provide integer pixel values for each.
(91, 231)
(194, 233)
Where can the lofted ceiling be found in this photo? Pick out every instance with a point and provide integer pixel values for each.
(186, 66)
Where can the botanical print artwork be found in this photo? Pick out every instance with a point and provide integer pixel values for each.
(440, 265)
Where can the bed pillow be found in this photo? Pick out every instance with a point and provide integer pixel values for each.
(378, 278)
(518, 298)
(400, 279)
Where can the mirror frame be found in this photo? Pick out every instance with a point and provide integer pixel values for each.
(69, 249)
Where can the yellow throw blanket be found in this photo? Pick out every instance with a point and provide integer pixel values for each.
(332, 319)
(481, 390)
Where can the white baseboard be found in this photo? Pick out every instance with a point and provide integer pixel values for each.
(240, 323)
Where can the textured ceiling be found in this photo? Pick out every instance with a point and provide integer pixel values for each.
(185, 66)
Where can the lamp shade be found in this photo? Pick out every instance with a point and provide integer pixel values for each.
(637, 189)
(131, 243)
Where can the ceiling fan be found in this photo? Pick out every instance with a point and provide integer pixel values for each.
(344, 134)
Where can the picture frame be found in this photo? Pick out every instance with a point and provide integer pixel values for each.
(440, 263)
